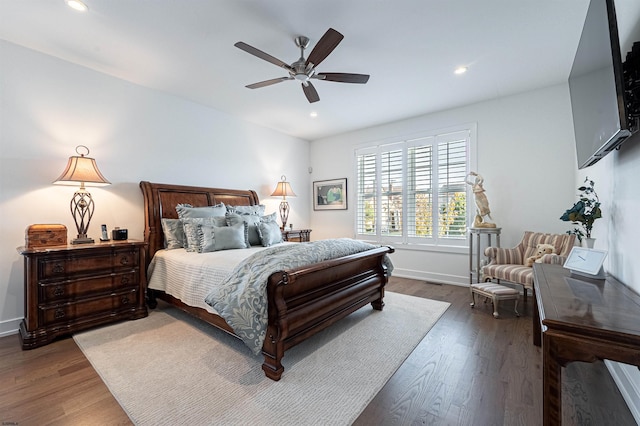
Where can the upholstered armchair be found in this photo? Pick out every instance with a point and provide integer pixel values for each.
(508, 263)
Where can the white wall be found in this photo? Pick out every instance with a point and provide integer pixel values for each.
(618, 232)
(48, 107)
(525, 154)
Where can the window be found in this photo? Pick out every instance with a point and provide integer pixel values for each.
(414, 191)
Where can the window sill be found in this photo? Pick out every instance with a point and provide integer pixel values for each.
(423, 247)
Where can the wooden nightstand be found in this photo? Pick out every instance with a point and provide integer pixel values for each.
(296, 235)
(73, 287)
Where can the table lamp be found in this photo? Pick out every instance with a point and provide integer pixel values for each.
(283, 188)
(83, 170)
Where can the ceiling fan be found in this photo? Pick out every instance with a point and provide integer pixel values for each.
(305, 70)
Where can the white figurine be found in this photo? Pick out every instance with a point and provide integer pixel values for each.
(482, 203)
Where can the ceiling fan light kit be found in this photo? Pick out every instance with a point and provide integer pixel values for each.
(304, 70)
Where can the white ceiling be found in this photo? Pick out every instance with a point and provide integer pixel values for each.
(409, 47)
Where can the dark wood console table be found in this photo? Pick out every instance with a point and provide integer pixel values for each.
(580, 319)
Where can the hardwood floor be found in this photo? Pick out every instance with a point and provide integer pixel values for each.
(53, 385)
(471, 369)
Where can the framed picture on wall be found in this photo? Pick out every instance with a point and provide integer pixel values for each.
(330, 194)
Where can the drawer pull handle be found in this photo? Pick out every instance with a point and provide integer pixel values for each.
(58, 291)
(124, 280)
(59, 313)
(124, 260)
(58, 268)
(125, 300)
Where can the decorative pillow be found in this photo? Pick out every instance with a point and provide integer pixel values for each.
(252, 221)
(192, 239)
(270, 233)
(269, 218)
(206, 238)
(229, 237)
(173, 233)
(257, 209)
(186, 211)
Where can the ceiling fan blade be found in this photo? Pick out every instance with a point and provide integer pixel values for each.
(260, 54)
(310, 92)
(268, 82)
(342, 77)
(324, 47)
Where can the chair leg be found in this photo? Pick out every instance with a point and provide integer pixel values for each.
(495, 307)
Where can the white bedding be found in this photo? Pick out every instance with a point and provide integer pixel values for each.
(190, 276)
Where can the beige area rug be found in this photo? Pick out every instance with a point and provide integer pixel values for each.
(172, 369)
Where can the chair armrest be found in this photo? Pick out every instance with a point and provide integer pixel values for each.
(503, 256)
(553, 259)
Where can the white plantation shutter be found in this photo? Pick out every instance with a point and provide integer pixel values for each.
(419, 188)
(391, 190)
(452, 188)
(414, 191)
(367, 204)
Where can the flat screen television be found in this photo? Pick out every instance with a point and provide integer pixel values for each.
(596, 87)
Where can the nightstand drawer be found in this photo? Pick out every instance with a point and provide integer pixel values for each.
(94, 285)
(86, 308)
(54, 267)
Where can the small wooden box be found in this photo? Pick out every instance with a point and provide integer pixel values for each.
(45, 235)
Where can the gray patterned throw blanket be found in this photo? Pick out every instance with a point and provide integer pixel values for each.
(241, 299)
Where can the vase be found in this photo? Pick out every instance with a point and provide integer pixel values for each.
(589, 242)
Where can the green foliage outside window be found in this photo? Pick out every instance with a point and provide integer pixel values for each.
(453, 216)
(369, 217)
(424, 216)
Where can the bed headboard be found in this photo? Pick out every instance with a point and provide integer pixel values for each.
(160, 201)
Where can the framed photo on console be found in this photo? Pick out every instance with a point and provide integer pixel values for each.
(330, 194)
(585, 261)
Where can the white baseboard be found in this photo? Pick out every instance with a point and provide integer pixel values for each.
(9, 327)
(627, 378)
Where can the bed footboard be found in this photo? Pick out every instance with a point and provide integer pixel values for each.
(305, 300)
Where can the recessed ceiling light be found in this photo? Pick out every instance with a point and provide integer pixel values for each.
(77, 5)
(313, 114)
(460, 70)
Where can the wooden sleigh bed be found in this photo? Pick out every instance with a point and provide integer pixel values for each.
(301, 301)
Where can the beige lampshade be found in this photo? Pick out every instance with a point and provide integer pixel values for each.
(283, 189)
(83, 170)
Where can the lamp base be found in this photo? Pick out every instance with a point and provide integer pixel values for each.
(84, 240)
(82, 210)
(284, 213)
